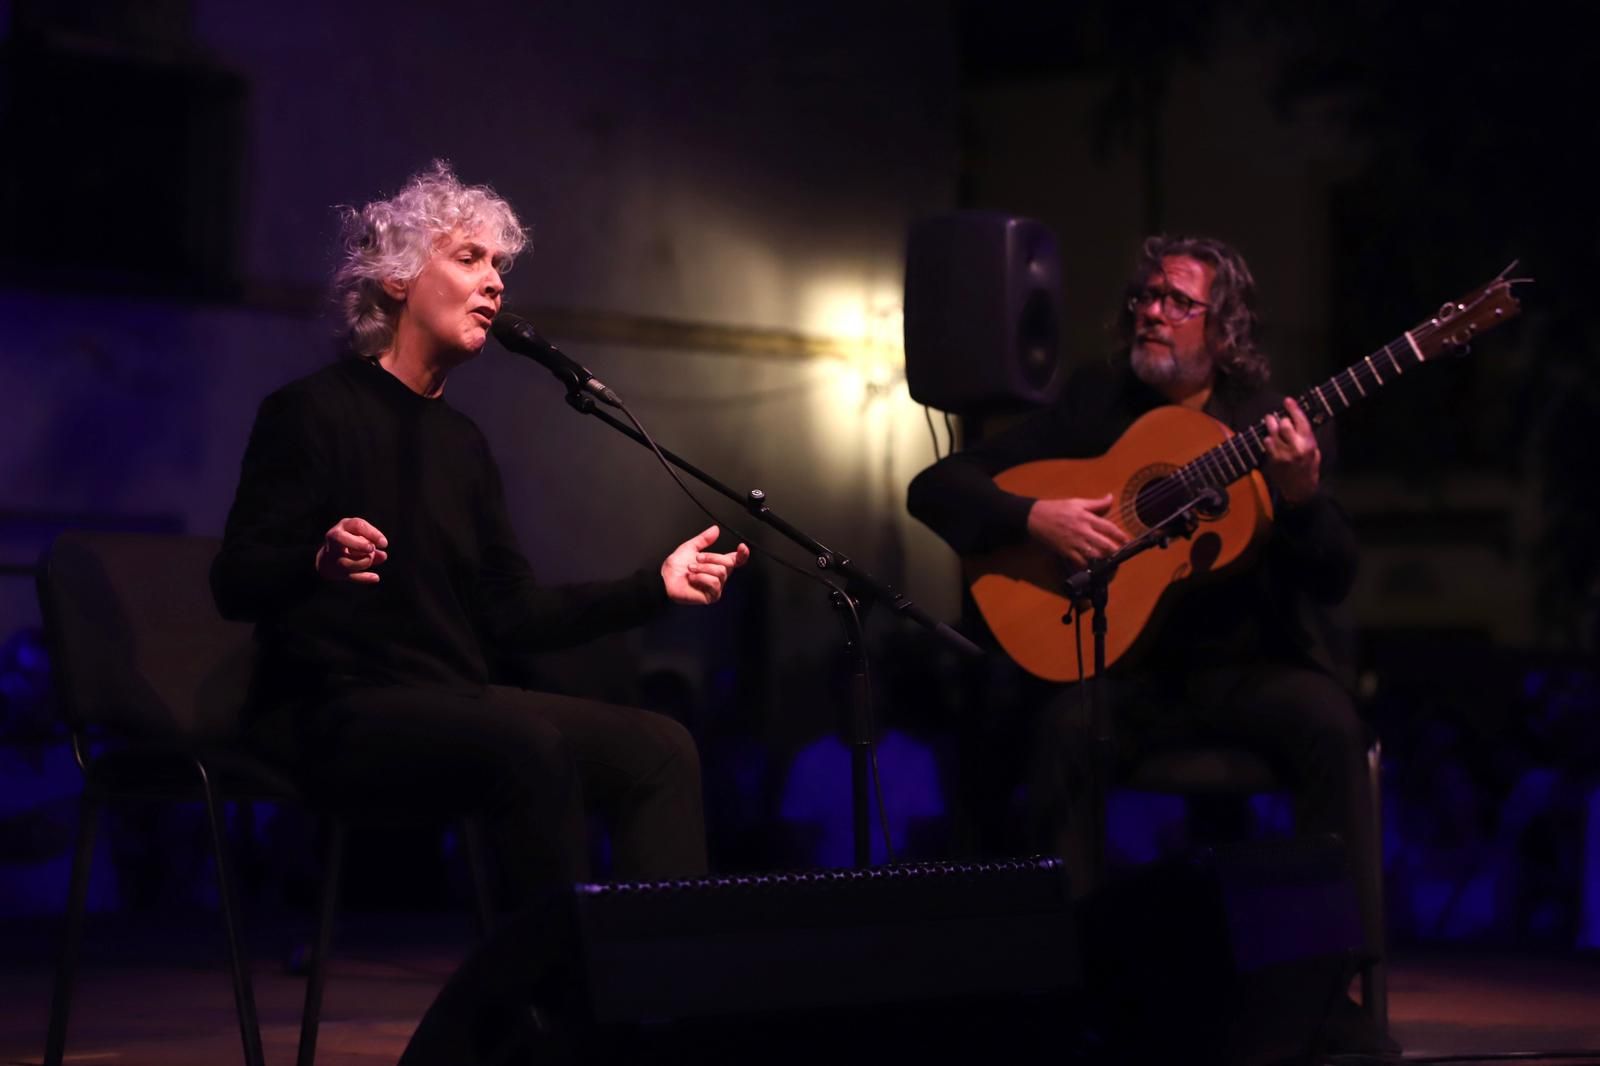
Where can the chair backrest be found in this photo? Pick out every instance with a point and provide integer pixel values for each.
(136, 640)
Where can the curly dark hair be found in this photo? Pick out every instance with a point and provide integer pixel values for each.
(1231, 318)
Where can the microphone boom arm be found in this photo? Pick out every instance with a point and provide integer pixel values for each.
(860, 585)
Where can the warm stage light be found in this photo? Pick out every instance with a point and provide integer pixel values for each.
(863, 325)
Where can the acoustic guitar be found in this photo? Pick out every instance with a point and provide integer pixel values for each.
(1164, 462)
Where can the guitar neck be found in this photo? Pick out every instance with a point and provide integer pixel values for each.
(1452, 328)
(1245, 451)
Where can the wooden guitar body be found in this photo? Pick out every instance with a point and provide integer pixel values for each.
(1019, 589)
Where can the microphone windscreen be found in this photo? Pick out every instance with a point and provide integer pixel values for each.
(517, 333)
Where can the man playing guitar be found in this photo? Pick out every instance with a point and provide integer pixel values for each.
(1240, 658)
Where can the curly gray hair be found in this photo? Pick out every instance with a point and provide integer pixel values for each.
(393, 239)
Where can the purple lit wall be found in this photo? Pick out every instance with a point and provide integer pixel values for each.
(708, 166)
(711, 165)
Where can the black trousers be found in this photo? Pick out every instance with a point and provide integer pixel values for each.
(1038, 735)
(529, 764)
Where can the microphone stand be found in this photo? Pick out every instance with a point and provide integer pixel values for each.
(1090, 588)
(860, 589)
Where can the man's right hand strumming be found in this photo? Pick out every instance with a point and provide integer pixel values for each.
(351, 550)
(1075, 528)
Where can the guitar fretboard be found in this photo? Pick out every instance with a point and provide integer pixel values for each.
(1246, 450)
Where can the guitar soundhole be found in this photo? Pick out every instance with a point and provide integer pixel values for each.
(1156, 497)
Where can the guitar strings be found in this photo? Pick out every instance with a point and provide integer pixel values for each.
(1219, 467)
(1242, 452)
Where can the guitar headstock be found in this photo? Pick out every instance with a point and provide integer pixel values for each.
(1458, 322)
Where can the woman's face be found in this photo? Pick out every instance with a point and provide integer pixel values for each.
(448, 307)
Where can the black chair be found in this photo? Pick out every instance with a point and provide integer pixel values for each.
(151, 683)
(1211, 771)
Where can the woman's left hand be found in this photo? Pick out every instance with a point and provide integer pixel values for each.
(694, 575)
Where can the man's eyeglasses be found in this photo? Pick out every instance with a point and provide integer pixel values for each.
(1173, 305)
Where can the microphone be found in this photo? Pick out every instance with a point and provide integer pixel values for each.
(516, 334)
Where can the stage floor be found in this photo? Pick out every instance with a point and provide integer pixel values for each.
(155, 996)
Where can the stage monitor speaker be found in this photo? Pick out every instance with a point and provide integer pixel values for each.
(843, 966)
(1239, 955)
(983, 310)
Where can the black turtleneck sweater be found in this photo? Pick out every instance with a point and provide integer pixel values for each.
(455, 592)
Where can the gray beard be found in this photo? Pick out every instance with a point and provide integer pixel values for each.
(1164, 372)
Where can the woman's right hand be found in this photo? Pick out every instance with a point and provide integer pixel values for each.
(351, 550)
(1075, 528)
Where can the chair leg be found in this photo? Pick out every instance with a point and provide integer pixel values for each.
(72, 935)
(477, 866)
(1375, 977)
(243, 995)
(332, 872)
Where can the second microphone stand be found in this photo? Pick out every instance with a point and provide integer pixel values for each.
(1089, 589)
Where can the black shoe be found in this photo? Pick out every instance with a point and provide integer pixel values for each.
(1351, 1031)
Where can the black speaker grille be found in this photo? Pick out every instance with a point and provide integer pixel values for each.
(1038, 343)
(983, 312)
